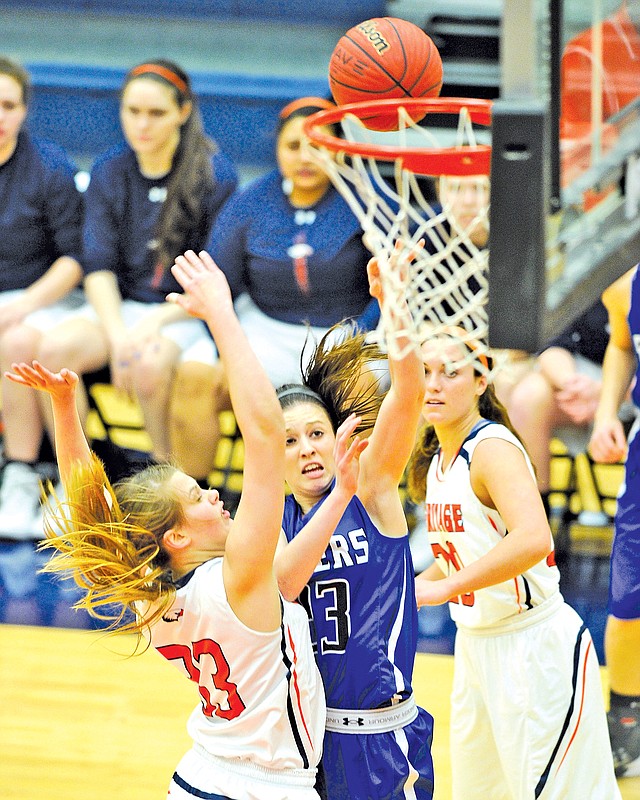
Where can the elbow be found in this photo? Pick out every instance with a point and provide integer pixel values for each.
(287, 589)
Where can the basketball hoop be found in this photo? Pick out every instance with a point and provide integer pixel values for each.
(379, 176)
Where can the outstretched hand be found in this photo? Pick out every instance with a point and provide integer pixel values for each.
(206, 289)
(36, 376)
(347, 455)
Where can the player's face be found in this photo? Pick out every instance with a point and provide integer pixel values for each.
(465, 200)
(309, 462)
(452, 387)
(12, 114)
(207, 520)
(308, 180)
(151, 117)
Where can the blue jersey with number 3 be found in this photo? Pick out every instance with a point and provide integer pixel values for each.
(361, 602)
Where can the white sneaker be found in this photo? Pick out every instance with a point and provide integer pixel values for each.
(19, 501)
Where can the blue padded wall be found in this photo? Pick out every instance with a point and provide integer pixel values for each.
(77, 107)
(336, 12)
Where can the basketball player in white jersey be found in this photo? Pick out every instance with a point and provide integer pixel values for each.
(200, 585)
(527, 712)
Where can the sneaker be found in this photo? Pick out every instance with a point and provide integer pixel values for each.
(624, 732)
(19, 501)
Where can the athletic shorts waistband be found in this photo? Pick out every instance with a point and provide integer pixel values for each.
(374, 720)
(256, 772)
(534, 616)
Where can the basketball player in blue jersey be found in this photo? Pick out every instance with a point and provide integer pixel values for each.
(527, 713)
(348, 560)
(201, 585)
(622, 636)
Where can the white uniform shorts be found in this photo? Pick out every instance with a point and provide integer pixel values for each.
(527, 711)
(48, 317)
(278, 345)
(201, 774)
(185, 333)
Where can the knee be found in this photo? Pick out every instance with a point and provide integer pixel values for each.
(62, 349)
(532, 400)
(19, 343)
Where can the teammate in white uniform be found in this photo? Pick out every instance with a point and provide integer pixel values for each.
(199, 584)
(527, 713)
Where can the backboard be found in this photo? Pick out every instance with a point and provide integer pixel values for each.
(565, 172)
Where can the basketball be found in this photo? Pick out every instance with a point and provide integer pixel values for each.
(384, 58)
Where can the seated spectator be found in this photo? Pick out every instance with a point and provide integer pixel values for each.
(560, 395)
(148, 200)
(40, 219)
(293, 254)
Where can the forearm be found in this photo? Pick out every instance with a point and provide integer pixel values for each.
(63, 275)
(294, 564)
(101, 289)
(617, 372)
(514, 555)
(253, 398)
(70, 441)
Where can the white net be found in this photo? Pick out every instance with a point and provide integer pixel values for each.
(447, 287)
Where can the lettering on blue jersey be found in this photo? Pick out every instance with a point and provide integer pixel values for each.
(636, 343)
(445, 517)
(336, 612)
(345, 551)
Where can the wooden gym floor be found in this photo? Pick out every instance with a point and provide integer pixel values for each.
(81, 720)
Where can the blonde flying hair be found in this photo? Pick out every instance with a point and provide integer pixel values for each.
(109, 540)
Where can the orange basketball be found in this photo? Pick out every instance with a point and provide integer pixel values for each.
(384, 58)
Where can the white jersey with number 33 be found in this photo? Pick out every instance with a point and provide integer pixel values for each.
(261, 694)
(462, 530)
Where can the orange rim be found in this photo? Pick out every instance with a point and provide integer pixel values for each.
(455, 160)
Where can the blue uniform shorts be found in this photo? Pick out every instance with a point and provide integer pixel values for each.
(380, 766)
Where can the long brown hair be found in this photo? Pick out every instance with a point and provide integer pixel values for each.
(191, 174)
(341, 377)
(427, 442)
(109, 540)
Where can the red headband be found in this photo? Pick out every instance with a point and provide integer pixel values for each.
(163, 72)
(305, 102)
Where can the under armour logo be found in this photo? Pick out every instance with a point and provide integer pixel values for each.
(358, 721)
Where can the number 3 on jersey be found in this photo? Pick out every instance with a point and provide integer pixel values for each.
(191, 659)
(336, 602)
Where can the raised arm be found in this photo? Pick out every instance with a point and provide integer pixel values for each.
(71, 443)
(393, 436)
(254, 534)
